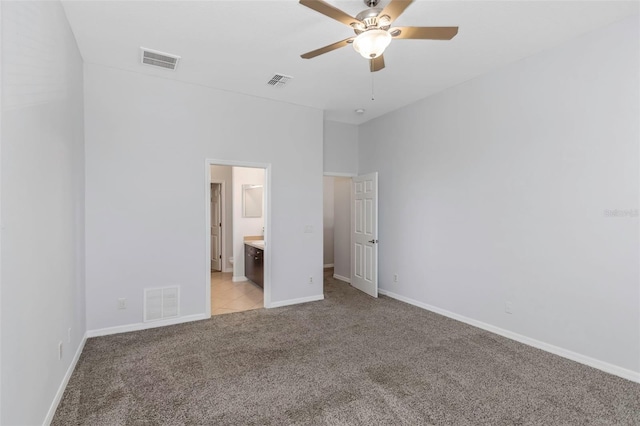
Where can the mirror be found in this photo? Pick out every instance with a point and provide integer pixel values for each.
(251, 200)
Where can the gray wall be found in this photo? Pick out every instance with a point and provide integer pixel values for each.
(501, 190)
(147, 229)
(337, 225)
(328, 220)
(340, 149)
(342, 227)
(42, 207)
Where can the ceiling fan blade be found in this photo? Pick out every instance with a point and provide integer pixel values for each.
(395, 8)
(424, 33)
(330, 11)
(329, 48)
(376, 64)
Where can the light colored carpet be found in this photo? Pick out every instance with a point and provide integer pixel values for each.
(350, 359)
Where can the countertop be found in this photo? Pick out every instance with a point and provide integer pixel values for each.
(259, 244)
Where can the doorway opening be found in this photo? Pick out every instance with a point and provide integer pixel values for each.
(237, 216)
(350, 239)
(337, 227)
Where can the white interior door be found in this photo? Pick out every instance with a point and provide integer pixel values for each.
(216, 228)
(364, 233)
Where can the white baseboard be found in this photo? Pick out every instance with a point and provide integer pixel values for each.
(565, 353)
(328, 265)
(341, 278)
(225, 270)
(64, 383)
(239, 279)
(145, 325)
(296, 301)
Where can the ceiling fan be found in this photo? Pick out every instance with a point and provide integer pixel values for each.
(373, 29)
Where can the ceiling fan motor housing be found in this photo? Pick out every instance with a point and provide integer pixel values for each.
(370, 19)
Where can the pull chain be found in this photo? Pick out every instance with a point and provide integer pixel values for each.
(373, 98)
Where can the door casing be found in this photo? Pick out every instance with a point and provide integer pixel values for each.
(267, 225)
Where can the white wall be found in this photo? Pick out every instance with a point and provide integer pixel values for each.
(146, 229)
(340, 148)
(223, 174)
(327, 221)
(342, 227)
(42, 207)
(244, 226)
(497, 190)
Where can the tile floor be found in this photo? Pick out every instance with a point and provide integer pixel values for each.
(228, 297)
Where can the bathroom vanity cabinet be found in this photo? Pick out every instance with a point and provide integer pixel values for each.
(254, 264)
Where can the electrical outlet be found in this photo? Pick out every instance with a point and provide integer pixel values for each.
(395, 278)
(69, 335)
(508, 307)
(122, 303)
(310, 280)
(60, 349)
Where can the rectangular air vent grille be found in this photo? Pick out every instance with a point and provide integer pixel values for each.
(161, 303)
(159, 59)
(279, 80)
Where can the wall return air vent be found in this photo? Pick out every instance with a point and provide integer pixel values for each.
(279, 80)
(159, 59)
(161, 303)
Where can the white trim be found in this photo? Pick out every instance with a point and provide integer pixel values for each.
(239, 279)
(556, 350)
(145, 325)
(341, 278)
(207, 250)
(227, 270)
(65, 381)
(328, 265)
(296, 301)
(336, 174)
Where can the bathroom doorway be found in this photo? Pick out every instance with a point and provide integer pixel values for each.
(240, 273)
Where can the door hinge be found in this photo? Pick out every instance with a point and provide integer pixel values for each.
(220, 256)
(220, 225)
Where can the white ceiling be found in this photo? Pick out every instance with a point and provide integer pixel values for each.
(239, 45)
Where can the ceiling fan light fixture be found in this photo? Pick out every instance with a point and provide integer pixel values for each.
(371, 44)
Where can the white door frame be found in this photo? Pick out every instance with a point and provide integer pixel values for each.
(267, 225)
(223, 220)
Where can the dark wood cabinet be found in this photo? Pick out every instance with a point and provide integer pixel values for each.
(254, 264)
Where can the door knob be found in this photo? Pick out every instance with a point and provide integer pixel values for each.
(373, 241)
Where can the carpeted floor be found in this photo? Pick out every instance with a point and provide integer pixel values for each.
(350, 359)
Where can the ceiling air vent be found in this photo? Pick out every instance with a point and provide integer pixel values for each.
(159, 59)
(279, 80)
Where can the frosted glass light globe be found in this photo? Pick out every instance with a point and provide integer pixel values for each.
(371, 44)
